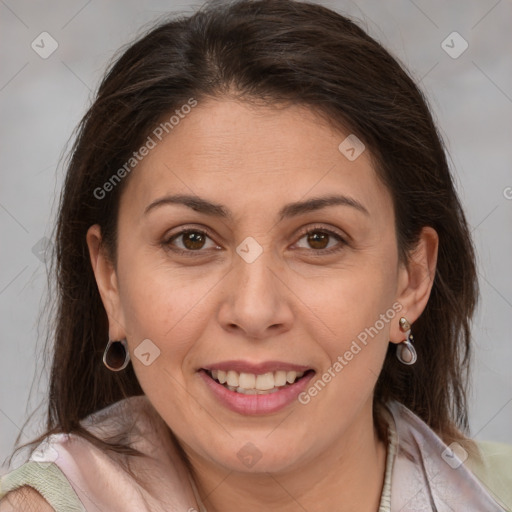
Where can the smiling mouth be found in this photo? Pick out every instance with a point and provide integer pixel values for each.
(252, 384)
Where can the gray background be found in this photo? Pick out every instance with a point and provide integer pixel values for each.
(42, 100)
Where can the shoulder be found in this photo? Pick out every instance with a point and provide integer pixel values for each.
(36, 486)
(493, 468)
(24, 499)
(477, 475)
(496, 456)
(74, 474)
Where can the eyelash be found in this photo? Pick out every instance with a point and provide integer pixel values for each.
(314, 229)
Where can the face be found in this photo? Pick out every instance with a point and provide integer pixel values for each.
(292, 301)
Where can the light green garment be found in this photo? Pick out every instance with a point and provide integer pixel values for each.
(48, 480)
(495, 471)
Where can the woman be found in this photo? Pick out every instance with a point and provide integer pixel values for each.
(266, 284)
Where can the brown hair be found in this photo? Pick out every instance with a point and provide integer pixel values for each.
(275, 52)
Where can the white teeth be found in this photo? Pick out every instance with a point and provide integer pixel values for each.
(247, 381)
(265, 381)
(280, 378)
(290, 376)
(246, 391)
(254, 391)
(251, 384)
(232, 378)
(273, 390)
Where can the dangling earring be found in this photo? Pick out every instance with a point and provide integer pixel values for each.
(405, 351)
(116, 356)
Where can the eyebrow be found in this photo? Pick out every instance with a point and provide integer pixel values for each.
(290, 210)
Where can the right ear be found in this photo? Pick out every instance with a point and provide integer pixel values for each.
(106, 279)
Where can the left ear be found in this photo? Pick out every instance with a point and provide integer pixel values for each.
(415, 280)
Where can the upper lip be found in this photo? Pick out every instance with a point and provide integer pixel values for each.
(256, 368)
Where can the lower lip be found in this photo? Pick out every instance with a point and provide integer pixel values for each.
(256, 404)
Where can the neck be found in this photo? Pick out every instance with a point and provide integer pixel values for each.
(347, 476)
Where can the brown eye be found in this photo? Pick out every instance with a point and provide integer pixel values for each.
(189, 241)
(193, 240)
(318, 240)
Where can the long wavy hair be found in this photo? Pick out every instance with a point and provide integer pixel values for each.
(273, 52)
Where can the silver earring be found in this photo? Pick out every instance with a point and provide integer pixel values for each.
(405, 351)
(116, 356)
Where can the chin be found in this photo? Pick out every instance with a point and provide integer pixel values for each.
(258, 455)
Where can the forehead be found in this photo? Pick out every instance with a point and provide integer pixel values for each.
(237, 151)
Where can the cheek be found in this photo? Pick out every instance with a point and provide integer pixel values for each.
(159, 300)
(347, 303)
(354, 343)
(163, 307)
(355, 306)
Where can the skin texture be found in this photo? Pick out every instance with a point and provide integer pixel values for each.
(294, 303)
(25, 499)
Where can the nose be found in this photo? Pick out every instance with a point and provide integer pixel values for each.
(257, 300)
